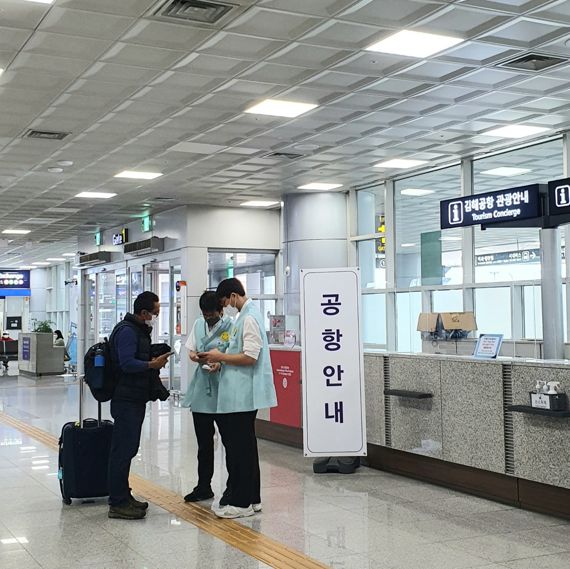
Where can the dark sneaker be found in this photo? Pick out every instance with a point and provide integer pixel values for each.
(199, 494)
(137, 503)
(126, 512)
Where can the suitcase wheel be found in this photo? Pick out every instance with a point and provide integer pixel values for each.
(66, 501)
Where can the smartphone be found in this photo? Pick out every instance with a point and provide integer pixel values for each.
(206, 367)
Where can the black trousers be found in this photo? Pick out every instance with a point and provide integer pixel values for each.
(238, 435)
(128, 417)
(204, 429)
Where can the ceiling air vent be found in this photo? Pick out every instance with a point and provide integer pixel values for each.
(163, 199)
(533, 62)
(283, 155)
(45, 134)
(201, 11)
(93, 259)
(152, 245)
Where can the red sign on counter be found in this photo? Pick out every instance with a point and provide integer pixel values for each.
(287, 378)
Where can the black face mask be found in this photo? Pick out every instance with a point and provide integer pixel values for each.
(211, 322)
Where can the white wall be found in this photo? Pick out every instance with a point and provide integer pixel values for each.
(39, 283)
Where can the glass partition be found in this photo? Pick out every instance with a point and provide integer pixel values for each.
(121, 295)
(106, 306)
(374, 319)
(493, 311)
(408, 309)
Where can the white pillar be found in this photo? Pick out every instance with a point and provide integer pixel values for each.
(316, 236)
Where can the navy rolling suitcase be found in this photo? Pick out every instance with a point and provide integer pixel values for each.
(83, 462)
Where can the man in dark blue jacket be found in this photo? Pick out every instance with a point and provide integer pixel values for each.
(131, 352)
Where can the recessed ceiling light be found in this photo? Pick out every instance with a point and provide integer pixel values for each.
(55, 170)
(1, 70)
(416, 192)
(516, 131)
(276, 108)
(506, 171)
(96, 195)
(55, 259)
(414, 44)
(16, 231)
(68, 255)
(408, 245)
(444, 238)
(41, 264)
(400, 163)
(65, 163)
(320, 186)
(132, 175)
(258, 203)
(41, 1)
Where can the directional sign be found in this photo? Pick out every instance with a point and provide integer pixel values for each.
(509, 257)
(513, 204)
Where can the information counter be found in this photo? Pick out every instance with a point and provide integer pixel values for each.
(38, 356)
(450, 420)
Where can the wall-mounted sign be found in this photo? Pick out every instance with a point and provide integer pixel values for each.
(13, 322)
(122, 237)
(146, 223)
(559, 196)
(509, 257)
(492, 207)
(14, 283)
(98, 239)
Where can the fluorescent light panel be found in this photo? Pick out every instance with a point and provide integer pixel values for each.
(55, 259)
(400, 163)
(277, 108)
(68, 255)
(414, 44)
(320, 186)
(41, 1)
(408, 245)
(416, 192)
(516, 131)
(131, 174)
(96, 195)
(258, 203)
(506, 171)
(41, 264)
(16, 231)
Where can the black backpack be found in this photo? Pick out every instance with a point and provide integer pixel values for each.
(101, 381)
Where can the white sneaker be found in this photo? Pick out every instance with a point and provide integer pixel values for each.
(231, 512)
(256, 507)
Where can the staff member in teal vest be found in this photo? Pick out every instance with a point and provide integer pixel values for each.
(210, 331)
(246, 385)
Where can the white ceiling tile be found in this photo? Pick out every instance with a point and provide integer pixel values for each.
(205, 64)
(13, 39)
(132, 8)
(342, 35)
(277, 74)
(309, 56)
(479, 53)
(77, 23)
(259, 22)
(314, 7)
(389, 13)
(63, 45)
(142, 56)
(526, 33)
(169, 36)
(233, 45)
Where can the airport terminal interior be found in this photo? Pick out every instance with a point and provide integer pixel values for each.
(390, 182)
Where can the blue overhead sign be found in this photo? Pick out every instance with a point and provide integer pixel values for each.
(14, 283)
(513, 204)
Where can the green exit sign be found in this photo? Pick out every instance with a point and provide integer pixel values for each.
(98, 239)
(146, 223)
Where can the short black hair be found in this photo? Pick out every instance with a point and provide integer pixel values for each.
(229, 286)
(210, 302)
(58, 334)
(145, 301)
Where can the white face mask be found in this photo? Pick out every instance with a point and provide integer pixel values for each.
(152, 321)
(231, 310)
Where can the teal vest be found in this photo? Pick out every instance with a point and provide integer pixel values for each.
(246, 388)
(202, 393)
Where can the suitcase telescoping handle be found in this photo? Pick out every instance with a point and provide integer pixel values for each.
(81, 391)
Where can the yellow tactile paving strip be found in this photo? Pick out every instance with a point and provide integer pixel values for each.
(248, 541)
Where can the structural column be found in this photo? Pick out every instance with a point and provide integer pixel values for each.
(551, 278)
(315, 237)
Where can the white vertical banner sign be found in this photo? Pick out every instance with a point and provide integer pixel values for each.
(334, 411)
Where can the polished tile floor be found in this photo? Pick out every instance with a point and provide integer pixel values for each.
(366, 520)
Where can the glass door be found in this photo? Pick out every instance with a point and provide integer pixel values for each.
(121, 307)
(136, 284)
(106, 304)
(91, 320)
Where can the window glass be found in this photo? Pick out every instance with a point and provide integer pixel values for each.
(493, 311)
(372, 264)
(425, 255)
(374, 319)
(513, 254)
(408, 308)
(447, 301)
(256, 270)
